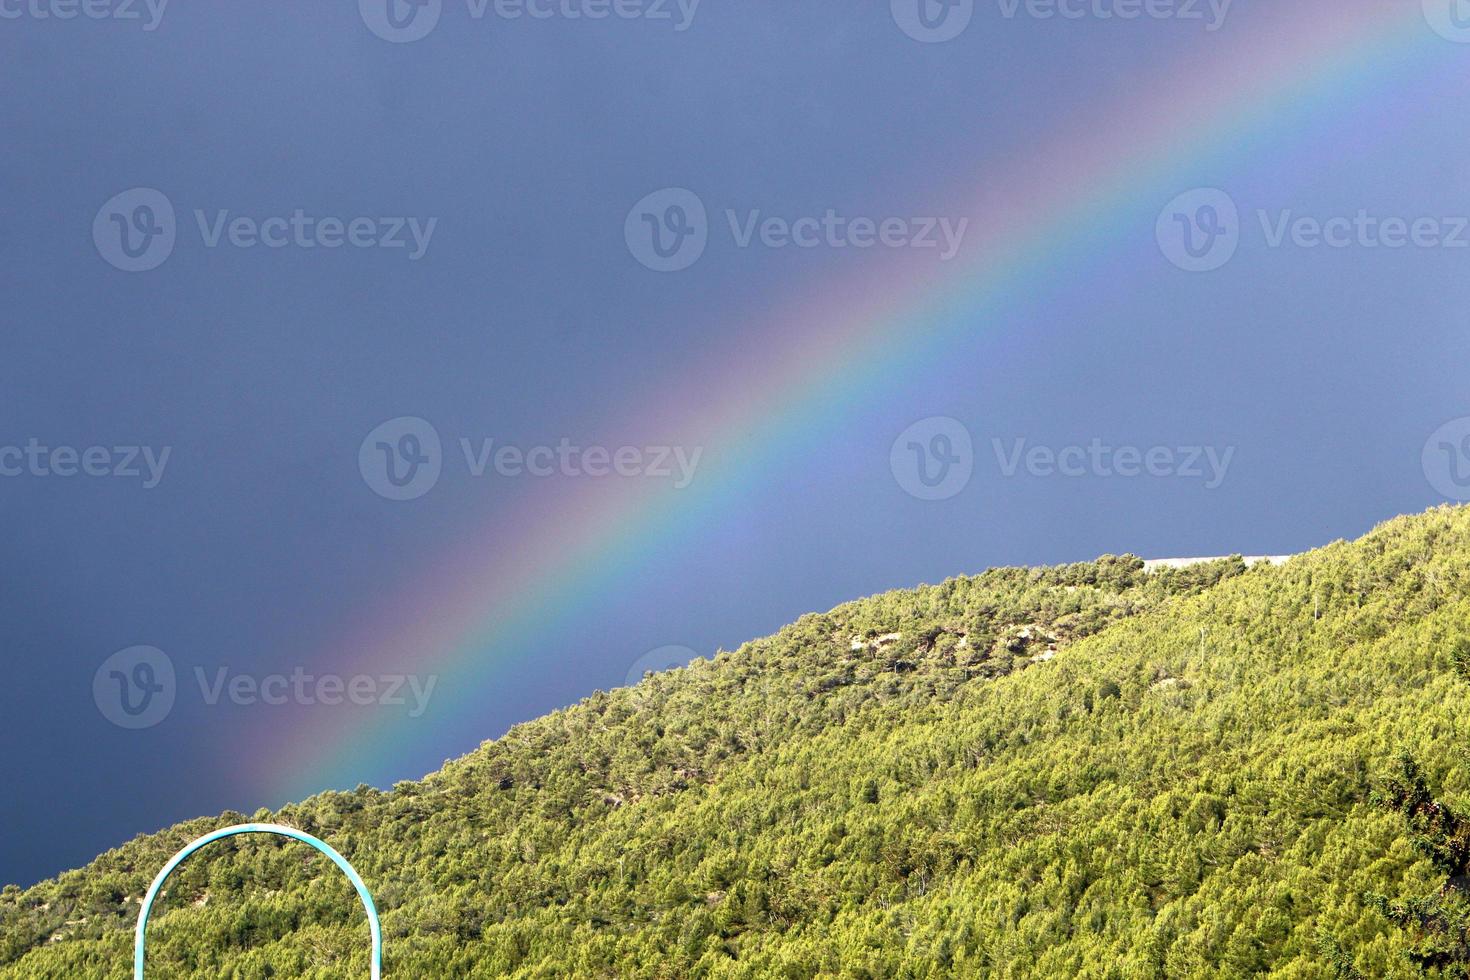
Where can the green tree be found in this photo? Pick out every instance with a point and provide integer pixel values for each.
(1439, 923)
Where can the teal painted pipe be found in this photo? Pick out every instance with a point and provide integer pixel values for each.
(259, 828)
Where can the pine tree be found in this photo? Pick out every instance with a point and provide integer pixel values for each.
(1439, 923)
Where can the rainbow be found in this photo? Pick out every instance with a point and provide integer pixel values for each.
(776, 387)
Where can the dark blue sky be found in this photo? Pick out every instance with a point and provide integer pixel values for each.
(1324, 372)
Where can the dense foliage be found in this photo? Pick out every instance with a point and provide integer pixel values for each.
(1080, 771)
(1441, 921)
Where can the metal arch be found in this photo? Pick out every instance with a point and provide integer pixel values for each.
(141, 933)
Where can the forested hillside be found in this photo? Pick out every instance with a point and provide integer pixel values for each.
(1089, 770)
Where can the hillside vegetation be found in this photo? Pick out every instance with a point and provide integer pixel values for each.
(1088, 770)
